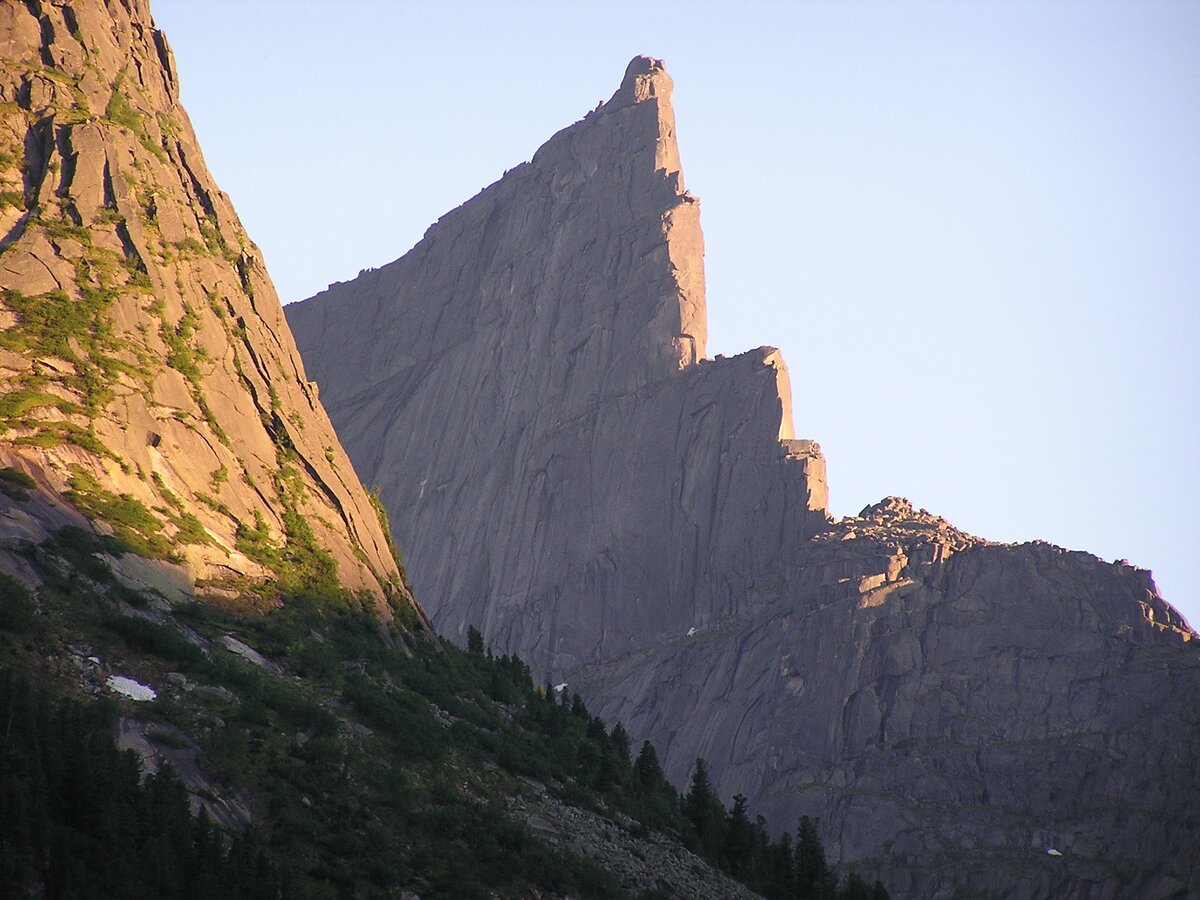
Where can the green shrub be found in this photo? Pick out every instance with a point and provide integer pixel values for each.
(52, 434)
(381, 514)
(17, 612)
(132, 523)
(18, 403)
(47, 322)
(156, 639)
(15, 483)
(121, 111)
(181, 355)
(189, 530)
(403, 716)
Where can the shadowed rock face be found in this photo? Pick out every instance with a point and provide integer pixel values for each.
(144, 350)
(566, 470)
(569, 464)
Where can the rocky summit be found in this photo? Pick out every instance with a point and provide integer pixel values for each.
(568, 471)
(149, 381)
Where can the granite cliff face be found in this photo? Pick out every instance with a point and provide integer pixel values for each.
(568, 471)
(149, 379)
(538, 362)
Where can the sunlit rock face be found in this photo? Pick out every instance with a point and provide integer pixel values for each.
(567, 470)
(144, 357)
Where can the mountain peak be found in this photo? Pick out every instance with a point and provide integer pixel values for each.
(636, 129)
(645, 78)
(564, 298)
(575, 479)
(593, 245)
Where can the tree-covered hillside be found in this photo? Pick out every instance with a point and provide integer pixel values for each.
(329, 755)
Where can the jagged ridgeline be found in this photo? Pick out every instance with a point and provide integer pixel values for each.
(148, 381)
(568, 471)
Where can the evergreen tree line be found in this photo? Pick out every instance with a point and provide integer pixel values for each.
(783, 869)
(78, 820)
(569, 743)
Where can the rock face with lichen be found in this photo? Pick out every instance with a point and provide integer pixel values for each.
(568, 471)
(149, 381)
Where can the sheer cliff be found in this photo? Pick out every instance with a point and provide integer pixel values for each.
(300, 732)
(150, 382)
(538, 362)
(569, 472)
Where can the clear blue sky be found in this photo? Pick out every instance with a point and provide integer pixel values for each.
(972, 228)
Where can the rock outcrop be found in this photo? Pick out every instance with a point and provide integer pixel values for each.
(150, 382)
(568, 471)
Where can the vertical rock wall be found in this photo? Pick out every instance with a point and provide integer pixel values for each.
(529, 389)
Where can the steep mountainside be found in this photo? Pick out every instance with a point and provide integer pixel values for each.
(573, 463)
(567, 471)
(236, 621)
(149, 379)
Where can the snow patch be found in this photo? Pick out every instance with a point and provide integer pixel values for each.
(128, 687)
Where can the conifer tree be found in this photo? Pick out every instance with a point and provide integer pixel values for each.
(647, 772)
(813, 876)
(740, 839)
(620, 740)
(706, 814)
(474, 641)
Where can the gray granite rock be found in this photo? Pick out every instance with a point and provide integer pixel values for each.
(528, 388)
(567, 470)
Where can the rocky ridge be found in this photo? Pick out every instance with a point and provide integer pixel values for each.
(568, 471)
(149, 380)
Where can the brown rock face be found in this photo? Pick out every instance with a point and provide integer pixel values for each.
(146, 367)
(568, 472)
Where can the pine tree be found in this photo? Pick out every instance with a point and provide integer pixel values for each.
(706, 814)
(647, 773)
(856, 888)
(780, 877)
(813, 876)
(474, 641)
(740, 840)
(620, 740)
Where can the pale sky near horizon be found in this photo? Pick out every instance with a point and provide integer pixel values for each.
(972, 228)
